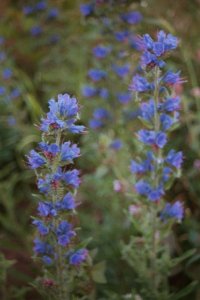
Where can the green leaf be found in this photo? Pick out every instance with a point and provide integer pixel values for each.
(187, 290)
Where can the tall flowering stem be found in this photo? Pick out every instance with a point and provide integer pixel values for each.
(57, 244)
(156, 167)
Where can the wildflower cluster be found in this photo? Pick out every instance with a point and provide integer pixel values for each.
(41, 15)
(159, 113)
(57, 242)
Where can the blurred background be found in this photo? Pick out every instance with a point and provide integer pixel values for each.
(52, 47)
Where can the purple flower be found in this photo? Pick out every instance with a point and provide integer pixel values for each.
(142, 187)
(171, 78)
(47, 260)
(67, 203)
(124, 98)
(86, 9)
(72, 178)
(116, 144)
(76, 128)
(46, 209)
(35, 160)
(101, 51)
(151, 137)
(53, 13)
(95, 124)
(101, 113)
(64, 233)
(122, 71)
(171, 104)
(140, 84)
(174, 211)
(69, 151)
(148, 110)
(36, 30)
(27, 10)
(78, 257)
(43, 229)
(89, 91)
(2, 90)
(166, 121)
(175, 158)
(42, 247)
(42, 5)
(156, 194)
(144, 166)
(121, 36)
(149, 59)
(7, 73)
(103, 93)
(97, 75)
(133, 17)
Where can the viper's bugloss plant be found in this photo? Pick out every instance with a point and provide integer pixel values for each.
(57, 243)
(155, 168)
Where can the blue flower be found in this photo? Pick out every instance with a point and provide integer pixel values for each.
(47, 260)
(174, 211)
(103, 93)
(148, 110)
(15, 93)
(140, 84)
(42, 5)
(27, 10)
(2, 90)
(166, 121)
(69, 151)
(124, 98)
(95, 124)
(175, 158)
(2, 56)
(142, 187)
(101, 113)
(7, 73)
(43, 229)
(101, 51)
(122, 36)
(132, 17)
(171, 104)
(97, 75)
(144, 166)
(151, 137)
(156, 194)
(64, 233)
(36, 30)
(76, 128)
(53, 13)
(49, 150)
(42, 247)
(171, 78)
(89, 91)
(116, 144)
(35, 160)
(67, 203)
(149, 59)
(78, 257)
(86, 9)
(72, 178)
(122, 71)
(46, 209)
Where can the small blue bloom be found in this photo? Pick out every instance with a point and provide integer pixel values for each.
(175, 158)
(156, 194)
(101, 113)
(72, 178)
(42, 5)
(46, 209)
(86, 9)
(2, 90)
(49, 150)
(171, 78)
(43, 229)
(147, 110)
(27, 10)
(69, 151)
(2, 56)
(166, 173)
(47, 260)
(166, 121)
(121, 71)
(7, 73)
(122, 36)
(124, 98)
(15, 93)
(144, 166)
(95, 124)
(101, 51)
(78, 257)
(35, 160)
(89, 91)
(103, 93)
(53, 13)
(116, 144)
(42, 247)
(140, 84)
(151, 137)
(174, 211)
(64, 233)
(97, 75)
(142, 187)
(170, 104)
(36, 30)
(67, 203)
(133, 17)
